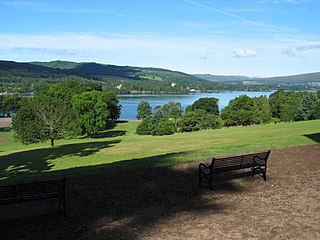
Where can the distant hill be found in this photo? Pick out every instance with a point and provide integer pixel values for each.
(57, 64)
(33, 76)
(98, 71)
(222, 78)
(292, 79)
(300, 78)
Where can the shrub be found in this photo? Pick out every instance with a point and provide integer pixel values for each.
(164, 127)
(198, 120)
(145, 127)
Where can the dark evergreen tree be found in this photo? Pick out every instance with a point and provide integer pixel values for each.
(209, 105)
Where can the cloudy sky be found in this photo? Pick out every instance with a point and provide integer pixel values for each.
(229, 37)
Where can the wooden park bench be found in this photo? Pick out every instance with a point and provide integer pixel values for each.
(35, 191)
(256, 162)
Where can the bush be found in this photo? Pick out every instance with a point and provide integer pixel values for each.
(198, 120)
(145, 127)
(164, 127)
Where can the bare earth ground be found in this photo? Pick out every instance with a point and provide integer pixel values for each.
(166, 203)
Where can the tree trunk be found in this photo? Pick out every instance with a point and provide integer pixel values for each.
(52, 142)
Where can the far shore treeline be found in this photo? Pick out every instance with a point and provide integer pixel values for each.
(71, 109)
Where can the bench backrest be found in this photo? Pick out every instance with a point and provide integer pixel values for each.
(32, 191)
(238, 162)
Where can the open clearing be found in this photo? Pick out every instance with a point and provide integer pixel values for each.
(166, 203)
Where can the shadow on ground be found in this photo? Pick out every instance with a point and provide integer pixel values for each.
(37, 161)
(315, 137)
(5, 129)
(125, 202)
(110, 133)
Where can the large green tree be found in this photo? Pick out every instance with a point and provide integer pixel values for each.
(143, 110)
(209, 105)
(276, 100)
(52, 113)
(199, 120)
(307, 107)
(45, 117)
(241, 111)
(93, 110)
(264, 110)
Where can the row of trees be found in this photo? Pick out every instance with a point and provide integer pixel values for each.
(295, 106)
(169, 118)
(241, 111)
(64, 110)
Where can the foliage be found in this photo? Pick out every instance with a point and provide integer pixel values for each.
(264, 110)
(293, 106)
(307, 108)
(164, 127)
(63, 111)
(276, 100)
(9, 104)
(143, 110)
(94, 109)
(145, 126)
(209, 105)
(172, 110)
(241, 111)
(199, 120)
(42, 118)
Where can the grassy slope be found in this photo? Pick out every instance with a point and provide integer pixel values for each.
(121, 147)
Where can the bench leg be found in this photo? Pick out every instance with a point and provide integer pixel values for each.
(200, 180)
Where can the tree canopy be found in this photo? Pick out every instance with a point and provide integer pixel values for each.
(63, 111)
(209, 105)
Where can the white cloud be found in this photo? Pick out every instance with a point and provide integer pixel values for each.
(297, 50)
(245, 53)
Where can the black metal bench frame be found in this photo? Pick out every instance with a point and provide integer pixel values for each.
(35, 191)
(257, 162)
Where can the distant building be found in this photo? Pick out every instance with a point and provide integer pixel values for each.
(316, 84)
(119, 87)
(173, 84)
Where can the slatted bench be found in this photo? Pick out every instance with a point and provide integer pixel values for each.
(256, 162)
(35, 191)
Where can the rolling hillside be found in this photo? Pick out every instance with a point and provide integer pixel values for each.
(293, 79)
(32, 76)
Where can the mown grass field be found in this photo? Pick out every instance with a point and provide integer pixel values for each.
(121, 147)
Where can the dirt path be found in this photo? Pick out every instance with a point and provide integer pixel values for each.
(5, 122)
(166, 203)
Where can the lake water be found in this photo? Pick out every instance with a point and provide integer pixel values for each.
(130, 102)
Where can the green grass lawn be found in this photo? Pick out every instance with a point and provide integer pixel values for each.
(122, 147)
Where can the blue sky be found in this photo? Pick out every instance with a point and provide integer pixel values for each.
(228, 37)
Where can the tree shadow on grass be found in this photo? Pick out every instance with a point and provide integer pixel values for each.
(5, 129)
(127, 200)
(315, 137)
(112, 133)
(36, 161)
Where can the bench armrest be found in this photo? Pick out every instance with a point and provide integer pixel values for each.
(203, 167)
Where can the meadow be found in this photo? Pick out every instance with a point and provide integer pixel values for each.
(121, 147)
